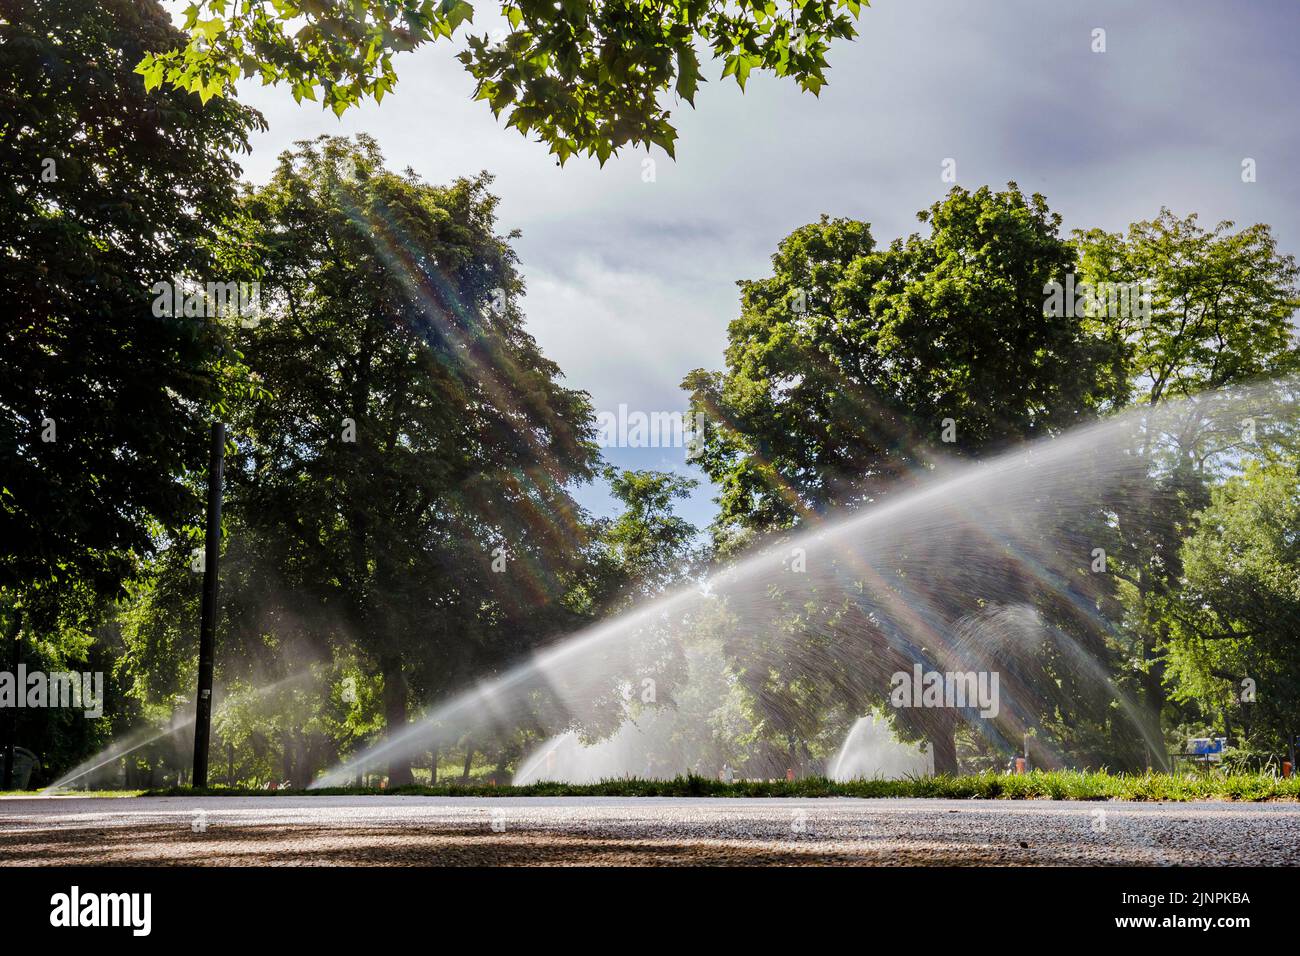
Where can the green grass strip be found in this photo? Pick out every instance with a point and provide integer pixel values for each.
(1037, 785)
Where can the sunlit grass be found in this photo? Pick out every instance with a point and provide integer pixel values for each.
(1037, 785)
(74, 793)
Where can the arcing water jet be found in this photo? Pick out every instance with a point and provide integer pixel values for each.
(1000, 565)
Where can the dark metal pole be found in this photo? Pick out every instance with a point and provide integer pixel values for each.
(208, 612)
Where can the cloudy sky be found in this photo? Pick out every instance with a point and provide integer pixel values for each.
(631, 284)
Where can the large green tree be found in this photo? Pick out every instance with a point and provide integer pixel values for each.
(104, 191)
(407, 481)
(1232, 648)
(852, 368)
(1216, 315)
(583, 75)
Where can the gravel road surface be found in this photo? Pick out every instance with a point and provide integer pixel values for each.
(379, 830)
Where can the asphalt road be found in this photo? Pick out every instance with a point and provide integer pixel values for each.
(385, 830)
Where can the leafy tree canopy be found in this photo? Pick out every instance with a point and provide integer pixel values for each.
(104, 191)
(1219, 305)
(645, 549)
(1236, 616)
(583, 75)
(843, 366)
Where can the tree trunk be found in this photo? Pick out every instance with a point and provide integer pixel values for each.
(433, 768)
(399, 765)
(287, 762)
(1153, 691)
(943, 742)
(469, 759)
(304, 768)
